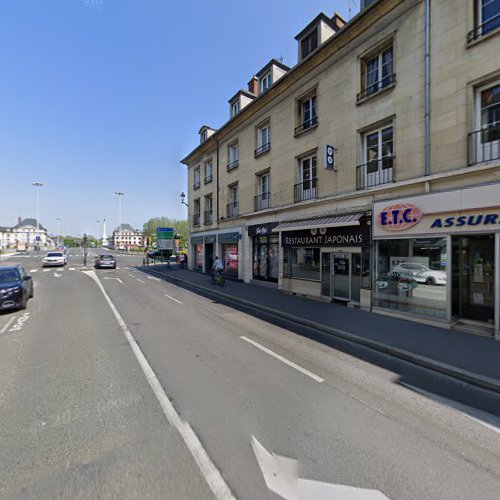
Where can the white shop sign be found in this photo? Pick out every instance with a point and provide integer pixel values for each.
(474, 209)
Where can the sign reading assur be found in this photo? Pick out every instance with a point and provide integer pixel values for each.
(472, 209)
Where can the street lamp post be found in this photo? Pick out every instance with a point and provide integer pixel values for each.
(58, 219)
(120, 195)
(98, 231)
(37, 185)
(183, 197)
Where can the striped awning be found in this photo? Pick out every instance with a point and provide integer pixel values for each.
(332, 221)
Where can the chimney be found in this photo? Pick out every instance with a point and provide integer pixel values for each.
(338, 20)
(253, 85)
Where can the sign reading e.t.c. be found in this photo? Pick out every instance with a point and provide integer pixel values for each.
(399, 217)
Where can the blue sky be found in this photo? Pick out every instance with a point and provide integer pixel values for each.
(98, 96)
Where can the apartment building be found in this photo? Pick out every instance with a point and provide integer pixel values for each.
(369, 172)
(24, 232)
(127, 237)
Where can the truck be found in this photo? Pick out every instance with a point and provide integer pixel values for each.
(21, 246)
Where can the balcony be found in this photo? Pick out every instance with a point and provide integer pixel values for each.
(307, 190)
(234, 164)
(375, 173)
(485, 28)
(262, 149)
(196, 219)
(208, 179)
(207, 217)
(306, 125)
(484, 144)
(376, 87)
(262, 201)
(232, 210)
(196, 185)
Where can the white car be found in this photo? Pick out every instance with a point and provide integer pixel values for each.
(54, 259)
(419, 273)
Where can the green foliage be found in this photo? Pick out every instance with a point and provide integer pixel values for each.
(181, 228)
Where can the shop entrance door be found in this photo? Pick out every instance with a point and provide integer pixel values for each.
(341, 276)
(474, 278)
(209, 257)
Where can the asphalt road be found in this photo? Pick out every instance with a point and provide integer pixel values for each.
(81, 416)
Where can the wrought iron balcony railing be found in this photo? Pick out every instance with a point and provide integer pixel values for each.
(232, 210)
(376, 87)
(484, 144)
(307, 190)
(262, 201)
(484, 28)
(262, 149)
(307, 125)
(375, 172)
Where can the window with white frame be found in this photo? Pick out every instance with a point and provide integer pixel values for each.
(263, 191)
(263, 139)
(196, 212)
(208, 209)
(233, 155)
(306, 189)
(307, 113)
(487, 136)
(378, 161)
(196, 178)
(235, 108)
(265, 82)
(487, 16)
(232, 207)
(309, 43)
(377, 72)
(208, 171)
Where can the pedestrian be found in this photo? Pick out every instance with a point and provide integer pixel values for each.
(185, 260)
(181, 260)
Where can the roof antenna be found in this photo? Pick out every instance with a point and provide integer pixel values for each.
(280, 59)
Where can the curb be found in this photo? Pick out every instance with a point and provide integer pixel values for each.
(443, 368)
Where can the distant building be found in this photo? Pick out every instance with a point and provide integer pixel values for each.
(127, 237)
(24, 231)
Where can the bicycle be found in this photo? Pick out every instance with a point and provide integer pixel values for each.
(217, 279)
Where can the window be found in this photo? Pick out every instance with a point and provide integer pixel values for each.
(307, 117)
(196, 212)
(486, 140)
(233, 156)
(196, 179)
(208, 209)
(378, 156)
(235, 108)
(263, 139)
(309, 44)
(307, 187)
(204, 136)
(232, 207)
(377, 73)
(263, 198)
(208, 171)
(305, 263)
(265, 82)
(487, 18)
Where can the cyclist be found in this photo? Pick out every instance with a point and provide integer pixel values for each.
(218, 267)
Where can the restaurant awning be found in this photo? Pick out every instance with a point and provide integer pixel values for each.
(332, 221)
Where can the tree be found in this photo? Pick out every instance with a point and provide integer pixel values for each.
(181, 228)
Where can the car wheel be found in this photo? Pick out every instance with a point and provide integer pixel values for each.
(430, 281)
(32, 293)
(24, 304)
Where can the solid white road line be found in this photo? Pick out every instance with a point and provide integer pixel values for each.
(211, 474)
(172, 298)
(4, 329)
(283, 360)
(140, 280)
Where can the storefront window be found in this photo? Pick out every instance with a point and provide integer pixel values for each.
(411, 276)
(198, 253)
(230, 253)
(305, 263)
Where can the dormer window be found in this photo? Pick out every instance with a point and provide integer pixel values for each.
(203, 136)
(309, 43)
(265, 82)
(235, 108)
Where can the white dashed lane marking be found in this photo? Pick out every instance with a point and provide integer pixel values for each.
(172, 298)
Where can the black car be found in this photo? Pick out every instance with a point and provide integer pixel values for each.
(159, 254)
(105, 260)
(16, 287)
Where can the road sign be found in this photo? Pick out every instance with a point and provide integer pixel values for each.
(165, 238)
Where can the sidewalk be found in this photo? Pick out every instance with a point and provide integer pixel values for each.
(470, 358)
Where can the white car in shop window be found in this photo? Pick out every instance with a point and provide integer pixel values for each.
(420, 273)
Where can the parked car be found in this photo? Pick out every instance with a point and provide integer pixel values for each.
(420, 273)
(158, 254)
(16, 287)
(105, 261)
(54, 259)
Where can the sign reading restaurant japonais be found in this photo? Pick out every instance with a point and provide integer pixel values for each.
(348, 236)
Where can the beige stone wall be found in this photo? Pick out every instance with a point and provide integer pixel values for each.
(455, 71)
